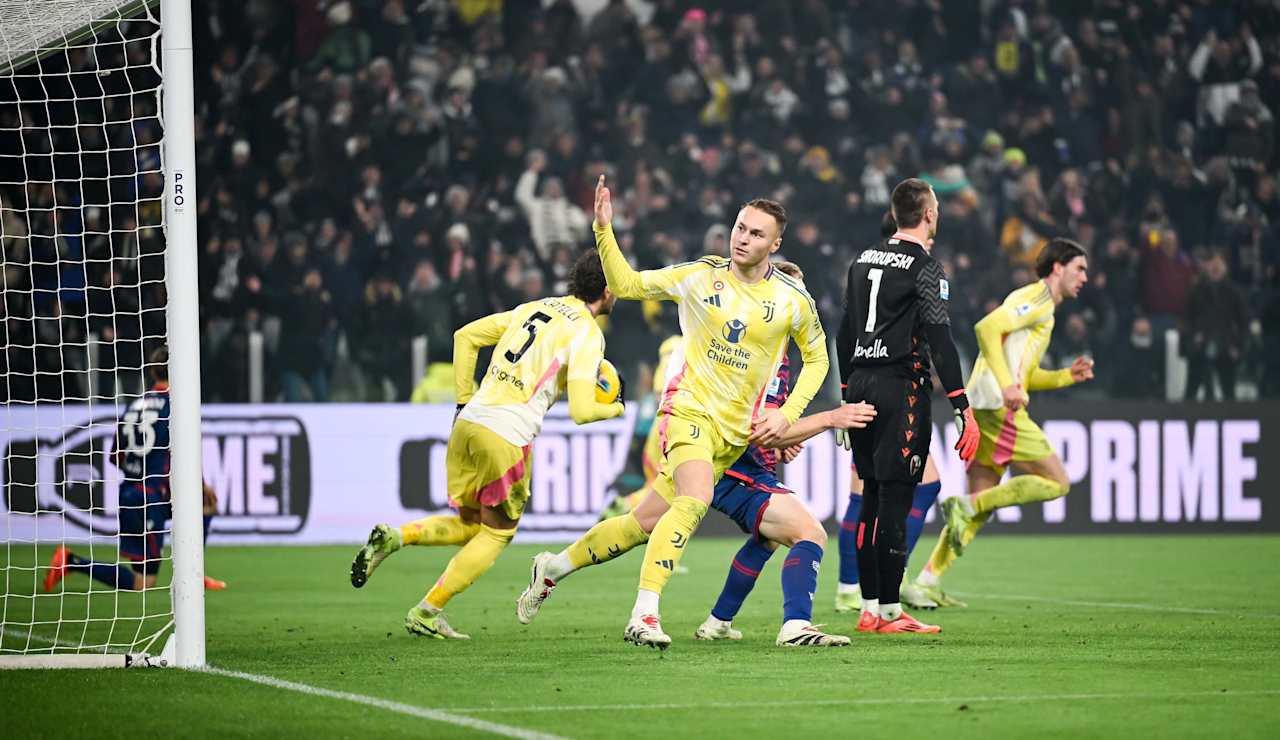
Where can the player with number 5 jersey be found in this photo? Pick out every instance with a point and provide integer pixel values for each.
(541, 349)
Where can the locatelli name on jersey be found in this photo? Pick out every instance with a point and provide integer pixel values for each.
(887, 259)
(727, 354)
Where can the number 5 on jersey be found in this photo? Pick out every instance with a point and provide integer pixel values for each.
(531, 326)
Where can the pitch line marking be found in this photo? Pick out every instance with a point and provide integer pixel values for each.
(1119, 605)
(435, 715)
(37, 637)
(1015, 698)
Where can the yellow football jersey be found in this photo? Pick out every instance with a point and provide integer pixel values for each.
(540, 347)
(1013, 339)
(734, 336)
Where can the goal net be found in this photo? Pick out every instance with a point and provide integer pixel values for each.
(84, 564)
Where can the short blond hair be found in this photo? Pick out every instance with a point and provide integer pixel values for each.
(789, 268)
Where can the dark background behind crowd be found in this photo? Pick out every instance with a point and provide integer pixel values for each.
(375, 170)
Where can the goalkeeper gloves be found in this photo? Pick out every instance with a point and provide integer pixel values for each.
(967, 445)
(842, 435)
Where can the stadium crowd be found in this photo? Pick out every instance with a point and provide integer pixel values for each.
(375, 170)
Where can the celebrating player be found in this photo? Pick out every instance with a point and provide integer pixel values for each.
(142, 454)
(848, 590)
(896, 294)
(751, 495)
(542, 348)
(1011, 340)
(736, 315)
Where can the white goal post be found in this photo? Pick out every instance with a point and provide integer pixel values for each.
(98, 259)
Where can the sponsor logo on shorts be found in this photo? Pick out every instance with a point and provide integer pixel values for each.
(915, 464)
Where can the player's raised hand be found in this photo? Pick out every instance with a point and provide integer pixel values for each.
(967, 445)
(604, 204)
(1014, 398)
(769, 428)
(1082, 369)
(852, 415)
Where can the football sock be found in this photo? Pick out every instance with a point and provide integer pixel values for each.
(890, 612)
(208, 519)
(666, 543)
(603, 542)
(871, 605)
(800, 580)
(442, 529)
(865, 541)
(646, 603)
(743, 572)
(925, 495)
(115, 576)
(1021, 489)
(471, 562)
(891, 538)
(943, 556)
(847, 540)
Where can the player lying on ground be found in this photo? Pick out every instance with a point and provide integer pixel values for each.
(895, 312)
(737, 315)
(1012, 339)
(542, 348)
(848, 590)
(751, 495)
(142, 454)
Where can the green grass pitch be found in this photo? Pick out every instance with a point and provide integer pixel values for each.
(1064, 637)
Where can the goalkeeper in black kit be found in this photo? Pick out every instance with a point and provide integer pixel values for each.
(895, 307)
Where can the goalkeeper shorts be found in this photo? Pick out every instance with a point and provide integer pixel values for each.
(483, 469)
(1007, 437)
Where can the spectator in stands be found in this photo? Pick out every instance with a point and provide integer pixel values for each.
(1217, 325)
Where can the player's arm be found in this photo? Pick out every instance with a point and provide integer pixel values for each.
(942, 348)
(585, 354)
(806, 330)
(624, 281)
(844, 336)
(1049, 380)
(993, 328)
(847, 416)
(467, 342)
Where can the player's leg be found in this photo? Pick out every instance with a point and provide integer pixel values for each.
(693, 476)
(786, 520)
(896, 497)
(868, 565)
(210, 509)
(848, 592)
(741, 501)
(497, 527)
(925, 495)
(605, 541)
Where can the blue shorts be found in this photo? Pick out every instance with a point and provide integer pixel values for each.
(743, 495)
(142, 519)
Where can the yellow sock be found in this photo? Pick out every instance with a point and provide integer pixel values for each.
(471, 562)
(1021, 489)
(606, 540)
(442, 529)
(943, 555)
(667, 542)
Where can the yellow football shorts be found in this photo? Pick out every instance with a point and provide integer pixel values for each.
(484, 469)
(690, 436)
(1009, 436)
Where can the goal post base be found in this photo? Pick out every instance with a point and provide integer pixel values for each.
(79, 660)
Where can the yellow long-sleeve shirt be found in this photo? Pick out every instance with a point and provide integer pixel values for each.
(734, 336)
(543, 348)
(1012, 340)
